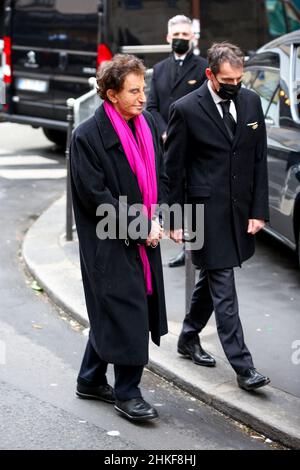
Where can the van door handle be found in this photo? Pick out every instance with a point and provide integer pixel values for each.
(63, 60)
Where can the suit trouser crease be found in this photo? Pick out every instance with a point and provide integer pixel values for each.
(215, 291)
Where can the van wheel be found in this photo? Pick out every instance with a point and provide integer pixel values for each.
(58, 137)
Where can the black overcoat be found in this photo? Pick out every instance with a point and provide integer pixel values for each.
(228, 177)
(163, 92)
(120, 313)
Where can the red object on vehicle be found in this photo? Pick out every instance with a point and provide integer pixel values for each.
(103, 54)
(7, 59)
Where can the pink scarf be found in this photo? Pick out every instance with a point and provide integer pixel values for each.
(141, 158)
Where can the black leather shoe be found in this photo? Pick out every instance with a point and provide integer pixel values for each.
(193, 350)
(179, 260)
(102, 392)
(136, 409)
(252, 380)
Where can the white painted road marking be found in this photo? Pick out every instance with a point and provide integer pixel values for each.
(16, 160)
(11, 168)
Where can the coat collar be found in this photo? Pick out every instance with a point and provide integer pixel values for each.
(189, 63)
(108, 134)
(111, 139)
(209, 106)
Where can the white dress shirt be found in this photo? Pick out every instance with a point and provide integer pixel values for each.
(217, 100)
(180, 57)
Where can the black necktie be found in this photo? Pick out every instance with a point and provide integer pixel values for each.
(177, 69)
(228, 119)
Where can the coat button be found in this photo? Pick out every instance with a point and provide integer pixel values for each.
(233, 176)
(234, 154)
(234, 200)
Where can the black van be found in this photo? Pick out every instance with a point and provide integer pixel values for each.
(52, 48)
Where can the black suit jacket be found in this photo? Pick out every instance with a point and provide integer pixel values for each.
(228, 177)
(163, 93)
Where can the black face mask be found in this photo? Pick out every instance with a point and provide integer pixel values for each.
(227, 91)
(180, 46)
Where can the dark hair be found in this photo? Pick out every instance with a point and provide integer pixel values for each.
(224, 52)
(112, 74)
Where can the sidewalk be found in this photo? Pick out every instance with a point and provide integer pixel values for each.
(54, 263)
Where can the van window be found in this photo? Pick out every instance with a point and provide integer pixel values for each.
(136, 22)
(1, 19)
(56, 23)
(143, 22)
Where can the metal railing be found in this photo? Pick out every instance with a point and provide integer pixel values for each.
(79, 110)
(2, 86)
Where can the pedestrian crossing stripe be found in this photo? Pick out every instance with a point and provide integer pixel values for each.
(20, 160)
(12, 168)
(21, 174)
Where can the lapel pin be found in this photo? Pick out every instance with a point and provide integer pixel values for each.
(254, 125)
(192, 82)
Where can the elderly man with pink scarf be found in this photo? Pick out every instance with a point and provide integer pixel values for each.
(116, 165)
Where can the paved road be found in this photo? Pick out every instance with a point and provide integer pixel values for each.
(41, 348)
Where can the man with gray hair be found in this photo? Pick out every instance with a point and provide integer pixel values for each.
(178, 75)
(217, 138)
(173, 78)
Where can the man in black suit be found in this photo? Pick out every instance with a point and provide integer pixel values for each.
(217, 138)
(174, 78)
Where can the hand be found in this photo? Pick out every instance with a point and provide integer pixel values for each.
(177, 235)
(255, 225)
(155, 234)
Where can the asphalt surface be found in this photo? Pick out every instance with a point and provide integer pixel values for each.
(41, 347)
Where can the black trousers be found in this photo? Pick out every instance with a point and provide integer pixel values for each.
(215, 291)
(93, 373)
